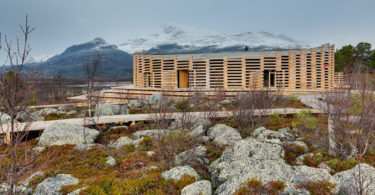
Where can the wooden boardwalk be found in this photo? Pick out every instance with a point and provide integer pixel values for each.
(40, 125)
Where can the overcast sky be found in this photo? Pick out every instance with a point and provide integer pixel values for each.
(60, 24)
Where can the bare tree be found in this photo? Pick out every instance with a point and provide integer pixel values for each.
(59, 79)
(91, 67)
(16, 86)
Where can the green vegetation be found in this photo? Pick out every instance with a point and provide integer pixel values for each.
(305, 120)
(348, 56)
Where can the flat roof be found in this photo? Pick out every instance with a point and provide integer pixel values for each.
(236, 53)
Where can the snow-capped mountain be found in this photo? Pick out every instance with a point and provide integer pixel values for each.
(175, 39)
(114, 62)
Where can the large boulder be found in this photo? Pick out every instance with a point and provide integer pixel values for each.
(5, 118)
(64, 133)
(223, 135)
(202, 187)
(53, 185)
(153, 134)
(252, 158)
(177, 173)
(26, 181)
(349, 180)
(264, 134)
(192, 157)
(110, 109)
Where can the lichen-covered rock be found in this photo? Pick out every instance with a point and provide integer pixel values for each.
(5, 118)
(153, 134)
(48, 111)
(349, 180)
(110, 161)
(122, 141)
(53, 185)
(29, 117)
(66, 107)
(154, 100)
(252, 158)
(133, 104)
(192, 157)
(223, 135)
(323, 165)
(110, 109)
(82, 147)
(38, 149)
(190, 123)
(202, 187)
(300, 144)
(264, 134)
(177, 173)
(64, 133)
(197, 132)
(5, 188)
(26, 181)
(77, 191)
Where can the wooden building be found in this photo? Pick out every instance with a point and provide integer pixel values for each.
(290, 69)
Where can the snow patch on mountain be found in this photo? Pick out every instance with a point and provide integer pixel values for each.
(173, 38)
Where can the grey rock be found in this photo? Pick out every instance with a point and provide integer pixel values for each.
(225, 101)
(134, 104)
(192, 157)
(202, 187)
(48, 111)
(223, 135)
(29, 117)
(150, 153)
(323, 165)
(110, 161)
(349, 180)
(122, 141)
(110, 109)
(53, 185)
(177, 173)
(197, 132)
(38, 149)
(4, 189)
(64, 133)
(77, 191)
(125, 141)
(66, 107)
(300, 144)
(118, 127)
(72, 112)
(26, 181)
(82, 147)
(153, 134)
(190, 123)
(252, 158)
(155, 99)
(5, 118)
(264, 134)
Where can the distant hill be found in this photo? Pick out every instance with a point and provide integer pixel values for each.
(115, 63)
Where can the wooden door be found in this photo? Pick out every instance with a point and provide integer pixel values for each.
(183, 79)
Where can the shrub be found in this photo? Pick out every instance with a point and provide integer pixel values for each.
(213, 151)
(183, 106)
(146, 144)
(254, 186)
(305, 120)
(294, 99)
(274, 118)
(341, 165)
(317, 188)
(292, 151)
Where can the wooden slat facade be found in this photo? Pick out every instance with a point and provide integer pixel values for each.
(292, 69)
